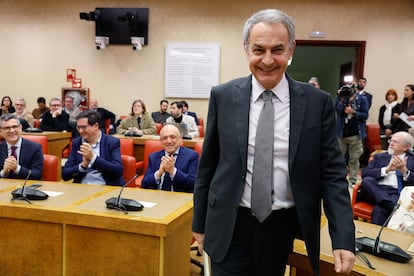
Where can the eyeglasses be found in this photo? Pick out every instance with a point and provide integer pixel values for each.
(13, 127)
(55, 105)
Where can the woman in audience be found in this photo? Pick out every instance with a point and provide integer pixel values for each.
(407, 107)
(6, 106)
(138, 122)
(388, 118)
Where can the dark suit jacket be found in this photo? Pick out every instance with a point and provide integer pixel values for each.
(59, 123)
(316, 168)
(30, 158)
(186, 163)
(394, 122)
(108, 162)
(382, 160)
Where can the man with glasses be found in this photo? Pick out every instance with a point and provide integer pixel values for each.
(18, 155)
(386, 175)
(95, 157)
(56, 119)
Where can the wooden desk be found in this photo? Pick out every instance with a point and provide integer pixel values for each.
(300, 265)
(75, 234)
(139, 143)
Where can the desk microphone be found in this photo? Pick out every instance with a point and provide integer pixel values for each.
(28, 193)
(124, 204)
(382, 249)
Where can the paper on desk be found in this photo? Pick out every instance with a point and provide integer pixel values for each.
(148, 204)
(51, 193)
(404, 117)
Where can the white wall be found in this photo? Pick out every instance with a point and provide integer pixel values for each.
(41, 39)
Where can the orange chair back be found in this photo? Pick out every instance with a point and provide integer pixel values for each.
(200, 121)
(200, 130)
(373, 140)
(50, 168)
(36, 123)
(150, 147)
(129, 170)
(127, 146)
(198, 147)
(42, 140)
(158, 126)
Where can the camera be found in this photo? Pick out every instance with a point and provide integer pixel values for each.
(101, 42)
(137, 43)
(346, 91)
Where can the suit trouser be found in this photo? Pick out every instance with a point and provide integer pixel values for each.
(381, 196)
(260, 248)
(354, 146)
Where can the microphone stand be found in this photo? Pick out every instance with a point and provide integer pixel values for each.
(376, 246)
(22, 196)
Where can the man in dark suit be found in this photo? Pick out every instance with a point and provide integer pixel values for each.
(162, 115)
(307, 165)
(18, 155)
(174, 168)
(95, 157)
(56, 119)
(386, 175)
(105, 114)
(189, 113)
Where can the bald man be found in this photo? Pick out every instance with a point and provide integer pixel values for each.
(173, 168)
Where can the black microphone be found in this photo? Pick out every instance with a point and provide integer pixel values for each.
(382, 249)
(376, 248)
(28, 193)
(124, 204)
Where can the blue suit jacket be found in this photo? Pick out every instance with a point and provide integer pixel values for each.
(30, 158)
(186, 163)
(381, 160)
(108, 162)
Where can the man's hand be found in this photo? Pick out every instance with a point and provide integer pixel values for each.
(168, 163)
(87, 153)
(10, 164)
(200, 241)
(343, 261)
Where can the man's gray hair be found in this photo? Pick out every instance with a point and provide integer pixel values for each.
(269, 16)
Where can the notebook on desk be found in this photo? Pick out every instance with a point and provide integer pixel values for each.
(183, 129)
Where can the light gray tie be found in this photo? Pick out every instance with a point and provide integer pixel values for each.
(262, 182)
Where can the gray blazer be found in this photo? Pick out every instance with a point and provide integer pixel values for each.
(316, 168)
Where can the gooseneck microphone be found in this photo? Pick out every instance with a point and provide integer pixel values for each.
(376, 248)
(124, 204)
(382, 249)
(28, 193)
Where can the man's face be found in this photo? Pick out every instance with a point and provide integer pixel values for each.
(362, 83)
(86, 131)
(55, 105)
(11, 130)
(19, 106)
(93, 104)
(69, 103)
(170, 138)
(164, 107)
(175, 111)
(396, 145)
(268, 53)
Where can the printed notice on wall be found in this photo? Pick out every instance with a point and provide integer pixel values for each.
(191, 69)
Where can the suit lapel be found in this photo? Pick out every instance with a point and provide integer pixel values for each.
(241, 100)
(297, 117)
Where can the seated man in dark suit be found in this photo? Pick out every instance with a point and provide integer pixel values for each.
(162, 115)
(105, 114)
(174, 168)
(386, 175)
(95, 157)
(189, 113)
(18, 155)
(56, 119)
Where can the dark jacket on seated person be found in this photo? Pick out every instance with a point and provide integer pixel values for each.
(59, 123)
(108, 163)
(186, 164)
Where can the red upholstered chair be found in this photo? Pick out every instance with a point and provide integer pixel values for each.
(127, 146)
(373, 140)
(361, 209)
(158, 127)
(129, 168)
(36, 123)
(42, 140)
(200, 130)
(50, 168)
(198, 147)
(200, 121)
(150, 147)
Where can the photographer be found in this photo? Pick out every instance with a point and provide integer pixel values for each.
(352, 113)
